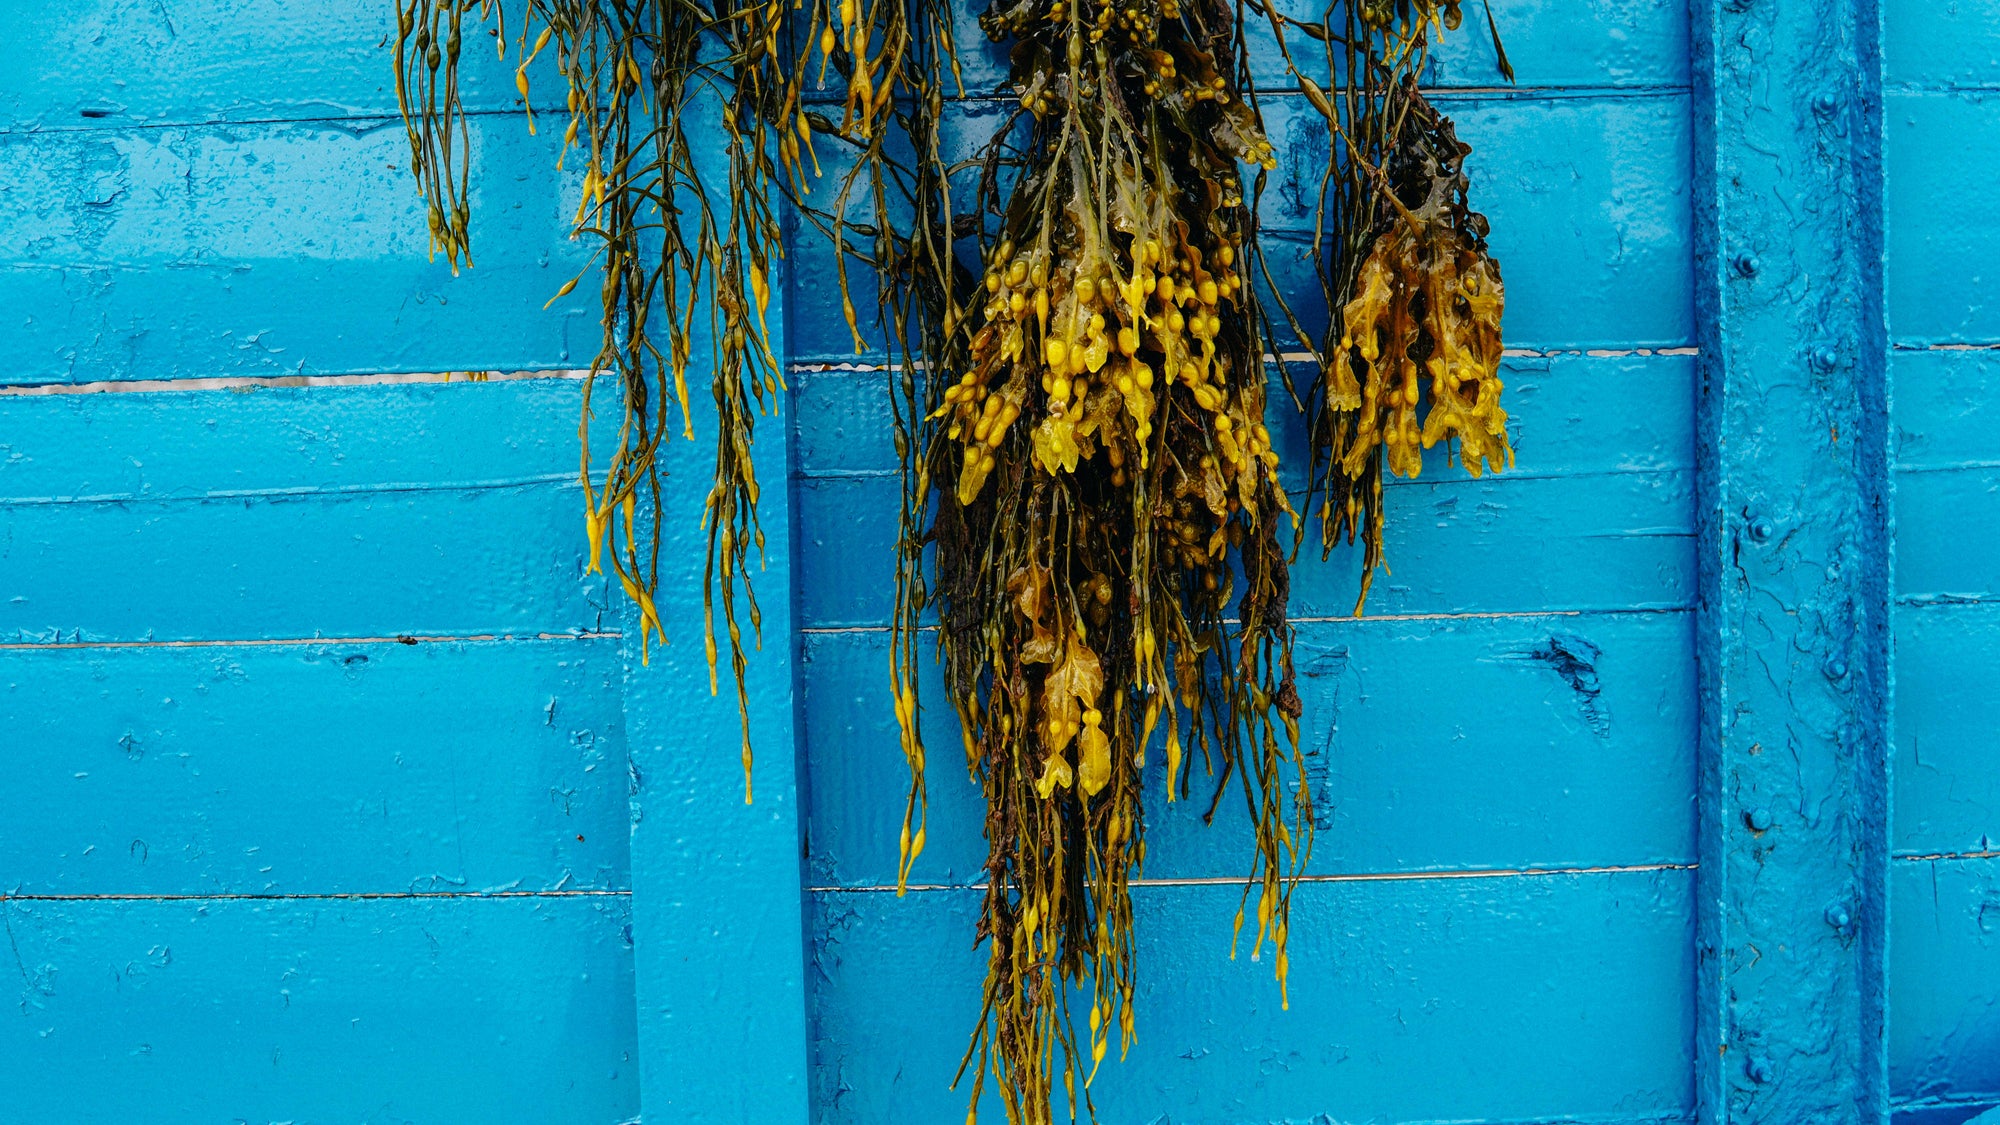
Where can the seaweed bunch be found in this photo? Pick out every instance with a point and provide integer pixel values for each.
(685, 250)
(1091, 503)
(1413, 351)
(1103, 517)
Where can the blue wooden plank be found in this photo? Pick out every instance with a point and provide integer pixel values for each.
(1947, 770)
(1585, 194)
(1947, 1113)
(718, 893)
(506, 559)
(1567, 415)
(1795, 563)
(1941, 269)
(1504, 544)
(115, 63)
(279, 248)
(1944, 1042)
(1598, 44)
(1947, 412)
(717, 889)
(1942, 45)
(1634, 44)
(1564, 998)
(172, 444)
(1938, 512)
(446, 1011)
(314, 768)
(1579, 752)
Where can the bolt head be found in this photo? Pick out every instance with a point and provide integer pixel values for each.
(1826, 103)
(1762, 529)
(1759, 819)
(1747, 265)
(1839, 918)
(1761, 1071)
(1835, 668)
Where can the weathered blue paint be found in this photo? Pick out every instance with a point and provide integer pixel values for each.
(356, 878)
(718, 903)
(1941, 66)
(408, 1009)
(1522, 999)
(1570, 763)
(1795, 569)
(228, 769)
(1587, 190)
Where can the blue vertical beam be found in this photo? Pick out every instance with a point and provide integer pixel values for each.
(717, 884)
(717, 894)
(1795, 565)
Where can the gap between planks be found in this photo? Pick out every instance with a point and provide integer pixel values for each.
(341, 896)
(1354, 877)
(1350, 619)
(282, 642)
(1305, 357)
(370, 122)
(258, 382)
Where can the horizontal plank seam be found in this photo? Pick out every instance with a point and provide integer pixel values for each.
(1399, 482)
(254, 382)
(815, 368)
(1278, 90)
(340, 896)
(1969, 1101)
(294, 492)
(375, 121)
(1916, 857)
(258, 642)
(1927, 601)
(1959, 467)
(1916, 347)
(1348, 619)
(1355, 877)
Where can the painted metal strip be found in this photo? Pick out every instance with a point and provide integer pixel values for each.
(1795, 579)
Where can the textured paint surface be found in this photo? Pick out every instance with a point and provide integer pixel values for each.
(332, 791)
(1941, 74)
(1941, 71)
(1795, 561)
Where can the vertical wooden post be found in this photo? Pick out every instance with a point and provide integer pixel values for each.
(717, 887)
(1795, 564)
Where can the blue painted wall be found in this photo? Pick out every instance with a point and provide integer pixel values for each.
(332, 792)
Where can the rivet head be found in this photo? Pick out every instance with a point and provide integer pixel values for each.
(1747, 264)
(1762, 529)
(1835, 668)
(1839, 919)
(1759, 819)
(1826, 103)
(1760, 1071)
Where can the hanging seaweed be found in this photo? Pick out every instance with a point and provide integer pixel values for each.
(1104, 496)
(1091, 505)
(1413, 350)
(682, 259)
